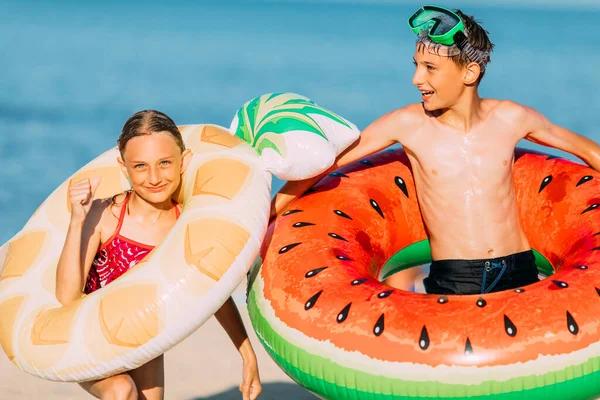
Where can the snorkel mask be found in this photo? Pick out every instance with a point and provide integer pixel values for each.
(443, 32)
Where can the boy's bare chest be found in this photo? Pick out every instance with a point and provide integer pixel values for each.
(451, 155)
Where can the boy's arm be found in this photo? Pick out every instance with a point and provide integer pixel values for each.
(540, 130)
(382, 133)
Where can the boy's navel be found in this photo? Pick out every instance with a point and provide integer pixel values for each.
(505, 162)
(491, 252)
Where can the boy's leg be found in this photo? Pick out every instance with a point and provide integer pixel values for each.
(404, 280)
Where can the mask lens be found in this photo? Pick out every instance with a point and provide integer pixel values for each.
(433, 21)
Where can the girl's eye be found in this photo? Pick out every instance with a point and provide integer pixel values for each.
(138, 166)
(165, 162)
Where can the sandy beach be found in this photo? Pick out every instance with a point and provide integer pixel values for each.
(204, 366)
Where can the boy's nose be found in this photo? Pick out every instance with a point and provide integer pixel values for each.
(417, 79)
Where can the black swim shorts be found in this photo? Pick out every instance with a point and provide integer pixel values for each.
(481, 276)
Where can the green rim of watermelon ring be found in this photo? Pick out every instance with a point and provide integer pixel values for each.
(419, 253)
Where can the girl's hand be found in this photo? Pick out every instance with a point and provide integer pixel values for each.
(250, 386)
(81, 195)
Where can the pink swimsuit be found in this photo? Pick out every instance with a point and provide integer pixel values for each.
(116, 256)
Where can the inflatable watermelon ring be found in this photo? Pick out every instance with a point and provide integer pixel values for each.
(318, 305)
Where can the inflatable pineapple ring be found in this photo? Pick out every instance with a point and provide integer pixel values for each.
(318, 304)
(225, 195)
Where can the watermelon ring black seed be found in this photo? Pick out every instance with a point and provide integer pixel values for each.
(342, 214)
(366, 162)
(288, 212)
(442, 299)
(302, 224)
(468, 348)
(590, 208)
(336, 236)
(582, 267)
(287, 248)
(545, 183)
(385, 294)
(358, 281)
(338, 175)
(379, 326)
(571, 324)
(561, 284)
(343, 314)
(585, 179)
(314, 272)
(312, 301)
(424, 339)
(343, 258)
(376, 207)
(519, 290)
(402, 185)
(509, 327)
(481, 302)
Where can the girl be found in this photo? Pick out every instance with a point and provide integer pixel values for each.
(153, 158)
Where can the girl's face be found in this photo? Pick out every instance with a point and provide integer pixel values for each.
(154, 164)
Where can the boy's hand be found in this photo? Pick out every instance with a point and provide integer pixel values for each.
(81, 196)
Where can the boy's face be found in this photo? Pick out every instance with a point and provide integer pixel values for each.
(438, 78)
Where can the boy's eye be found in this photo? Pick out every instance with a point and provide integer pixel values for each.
(430, 68)
(165, 162)
(138, 166)
(415, 63)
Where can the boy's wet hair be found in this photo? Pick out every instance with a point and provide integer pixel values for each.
(146, 122)
(477, 38)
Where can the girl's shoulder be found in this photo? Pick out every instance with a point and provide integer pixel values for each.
(104, 213)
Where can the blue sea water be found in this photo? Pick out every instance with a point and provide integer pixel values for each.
(73, 72)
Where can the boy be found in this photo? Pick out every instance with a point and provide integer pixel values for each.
(461, 149)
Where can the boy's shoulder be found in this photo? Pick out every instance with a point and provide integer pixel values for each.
(407, 116)
(505, 109)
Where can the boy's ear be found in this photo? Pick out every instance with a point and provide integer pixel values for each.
(472, 73)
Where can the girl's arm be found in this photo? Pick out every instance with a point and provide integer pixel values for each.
(229, 318)
(83, 239)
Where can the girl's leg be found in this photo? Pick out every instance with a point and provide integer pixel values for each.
(118, 387)
(150, 379)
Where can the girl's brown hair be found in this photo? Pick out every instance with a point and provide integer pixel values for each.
(146, 122)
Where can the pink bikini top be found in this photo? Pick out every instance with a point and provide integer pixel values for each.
(116, 256)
